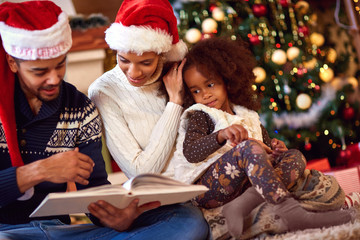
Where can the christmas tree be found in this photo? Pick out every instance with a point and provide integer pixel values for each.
(305, 103)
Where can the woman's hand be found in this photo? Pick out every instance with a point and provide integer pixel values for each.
(116, 218)
(235, 134)
(174, 83)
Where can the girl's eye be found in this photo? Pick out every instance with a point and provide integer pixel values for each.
(211, 84)
(196, 91)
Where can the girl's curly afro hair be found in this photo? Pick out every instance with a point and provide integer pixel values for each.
(232, 61)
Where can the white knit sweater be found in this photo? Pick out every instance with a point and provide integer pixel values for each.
(140, 127)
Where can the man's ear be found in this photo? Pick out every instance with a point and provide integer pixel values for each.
(12, 63)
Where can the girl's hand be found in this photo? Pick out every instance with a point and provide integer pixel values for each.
(235, 134)
(174, 83)
(116, 218)
(267, 149)
(278, 147)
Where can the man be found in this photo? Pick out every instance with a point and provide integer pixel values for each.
(50, 137)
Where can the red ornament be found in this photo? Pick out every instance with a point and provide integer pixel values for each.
(259, 10)
(307, 146)
(343, 157)
(354, 159)
(254, 40)
(348, 113)
(301, 71)
(304, 30)
(284, 3)
(212, 6)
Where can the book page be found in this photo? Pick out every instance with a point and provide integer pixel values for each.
(176, 195)
(154, 187)
(151, 181)
(104, 189)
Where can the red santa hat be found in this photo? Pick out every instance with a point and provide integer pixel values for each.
(146, 26)
(28, 30)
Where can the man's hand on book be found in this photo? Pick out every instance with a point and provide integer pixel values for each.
(116, 218)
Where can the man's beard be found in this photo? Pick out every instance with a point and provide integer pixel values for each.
(47, 98)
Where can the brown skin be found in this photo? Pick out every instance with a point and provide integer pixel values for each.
(119, 219)
(39, 79)
(174, 84)
(140, 68)
(71, 166)
(210, 91)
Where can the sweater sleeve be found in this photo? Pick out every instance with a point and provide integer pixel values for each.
(124, 148)
(266, 137)
(89, 143)
(200, 140)
(9, 190)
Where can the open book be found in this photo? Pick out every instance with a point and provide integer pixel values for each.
(146, 187)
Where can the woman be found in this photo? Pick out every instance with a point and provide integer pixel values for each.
(140, 125)
(140, 120)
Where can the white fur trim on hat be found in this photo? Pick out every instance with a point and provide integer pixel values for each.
(177, 52)
(37, 44)
(140, 39)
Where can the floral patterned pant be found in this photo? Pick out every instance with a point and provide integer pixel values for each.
(248, 164)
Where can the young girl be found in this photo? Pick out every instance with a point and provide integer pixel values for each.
(223, 146)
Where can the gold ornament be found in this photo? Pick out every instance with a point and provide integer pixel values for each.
(353, 81)
(279, 57)
(302, 7)
(193, 35)
(218, 14)
(317, 39)
(326, 74)
(313, 19)
(260, 74)
(310, 65)
(209, 25)
(303, 101)
(339, 82)
(292, 53)
(331, 55)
